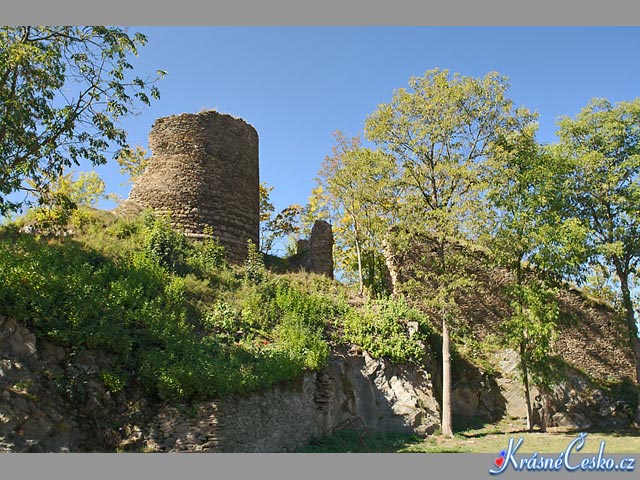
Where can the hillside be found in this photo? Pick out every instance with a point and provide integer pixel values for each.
(123, 335)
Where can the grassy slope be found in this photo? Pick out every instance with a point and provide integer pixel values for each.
(188, 327)
(176, 317)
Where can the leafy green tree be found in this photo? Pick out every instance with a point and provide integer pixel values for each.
(273, 228)
(62, 92)
(360, 193)
(439, 131)
(530, 330)
(63, 196)
(133, 162)
(600, 152)
(317, 208)
(529, 238)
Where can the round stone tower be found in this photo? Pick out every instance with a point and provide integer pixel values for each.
(204, 172)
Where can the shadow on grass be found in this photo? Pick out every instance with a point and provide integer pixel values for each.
(347, 441)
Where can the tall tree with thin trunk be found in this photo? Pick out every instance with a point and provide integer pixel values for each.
(600, 152)
(526, 236)
(358, 184)
(439, 131)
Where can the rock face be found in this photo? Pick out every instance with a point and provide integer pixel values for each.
(204, 171)
(388, 398)
(53, 400)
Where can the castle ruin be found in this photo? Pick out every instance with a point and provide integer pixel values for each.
(204, 172)
(315, 254)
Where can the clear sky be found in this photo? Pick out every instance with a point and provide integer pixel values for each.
(296, 85)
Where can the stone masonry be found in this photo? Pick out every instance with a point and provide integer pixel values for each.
(204, 172)
(316, 253)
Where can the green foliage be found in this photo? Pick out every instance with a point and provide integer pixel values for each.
(599, 160)
(302, 341)
(599, 157)
(440, 131)
(133, 162)
(114, 381)
(375, 273)
(287, 223)
(207, 254)
(532, 328)
(60, 202)
(382, 329)
(165, 245)
(63, 91)
(165, 330)
(254, 269)
(358, 189)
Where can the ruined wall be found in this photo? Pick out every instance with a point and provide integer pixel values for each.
(204, 171)
(387, 397)
(53, 400)
(315, 254)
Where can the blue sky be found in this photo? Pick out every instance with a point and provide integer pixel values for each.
(296, 85)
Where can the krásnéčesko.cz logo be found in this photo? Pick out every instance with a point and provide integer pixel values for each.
(535, 462)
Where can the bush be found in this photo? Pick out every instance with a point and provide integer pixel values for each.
(127, 302)
(206, 255)
(303, 343)
(165, 245)
(254, 269)
(382, 328)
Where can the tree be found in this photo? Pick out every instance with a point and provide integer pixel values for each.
(439, 132)
(133, 162)
(600, 151)
(286, 223)
(360, 193)
(62, 92)
(528, 237)
(317, 208)
(273, 228)
(63, 196)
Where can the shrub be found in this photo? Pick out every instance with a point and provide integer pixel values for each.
(303, 343)
(165, 245)
(382, 328)
(254, 269)
(206, 255)
(130, 304)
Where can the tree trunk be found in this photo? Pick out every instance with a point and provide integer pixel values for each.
(446, 424)
(360, 279)
(525, 380)
(633, 331)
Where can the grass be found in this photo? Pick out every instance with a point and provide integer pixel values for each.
(490, 439)
(176, 318)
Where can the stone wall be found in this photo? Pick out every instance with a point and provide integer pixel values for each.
(315, 254)
(591, 336)
(204, 171)
(387, 397)
(53, 400)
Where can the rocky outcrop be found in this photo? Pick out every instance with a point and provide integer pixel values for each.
(387, 397)
(53, 399)
(575, 401)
